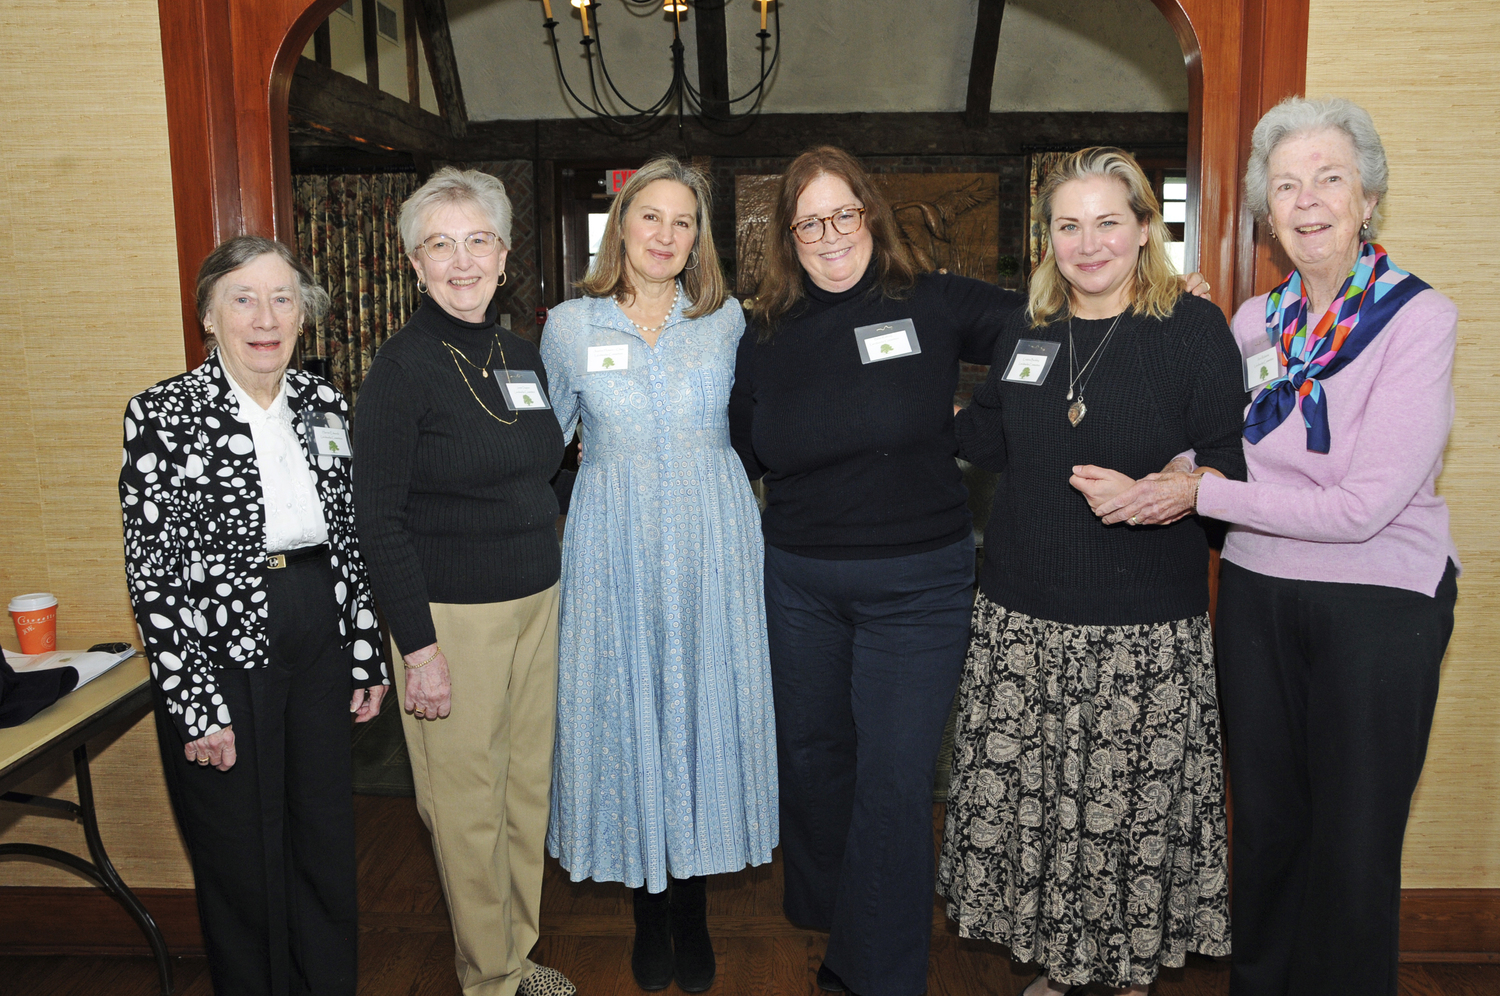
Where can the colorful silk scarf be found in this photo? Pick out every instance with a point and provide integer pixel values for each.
(1375, 291)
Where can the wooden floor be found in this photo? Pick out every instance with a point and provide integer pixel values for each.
(406, 948)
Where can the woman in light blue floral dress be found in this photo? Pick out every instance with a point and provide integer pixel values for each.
(665, 766)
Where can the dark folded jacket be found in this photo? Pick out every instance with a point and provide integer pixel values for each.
(24, 695)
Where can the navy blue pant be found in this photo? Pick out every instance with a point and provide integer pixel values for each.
(271, 840)
(865, 660)
(1328, 694)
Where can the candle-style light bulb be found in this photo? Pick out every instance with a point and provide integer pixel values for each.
(763, 5)
(583, 13)
(547, 8)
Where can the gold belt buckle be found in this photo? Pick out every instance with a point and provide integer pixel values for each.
(276, 561)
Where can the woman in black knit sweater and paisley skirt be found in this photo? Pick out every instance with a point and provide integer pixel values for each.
(1086, 826)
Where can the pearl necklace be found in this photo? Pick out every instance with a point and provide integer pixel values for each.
(656, 329)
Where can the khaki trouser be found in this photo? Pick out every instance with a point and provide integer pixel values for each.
(483, 777)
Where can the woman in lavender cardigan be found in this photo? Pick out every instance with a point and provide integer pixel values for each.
(1338, 584)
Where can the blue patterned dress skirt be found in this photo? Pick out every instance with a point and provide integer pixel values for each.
(665, 759)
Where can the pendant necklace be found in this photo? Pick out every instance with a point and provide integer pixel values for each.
(1077, 410)
(458, 354)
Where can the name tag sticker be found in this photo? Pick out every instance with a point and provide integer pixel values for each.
(1262, 368)
(327, 435)
(332, 442)
(605, 358)
(887, 341)
(1031, 361)
(522, 390)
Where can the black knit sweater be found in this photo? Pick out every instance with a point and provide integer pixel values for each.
(858, 458)
(1159, 388)
(451, 504)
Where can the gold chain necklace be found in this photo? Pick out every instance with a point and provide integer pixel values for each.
(458, 354)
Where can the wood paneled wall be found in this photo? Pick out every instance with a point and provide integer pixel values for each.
(1427, 72)
(89, 315)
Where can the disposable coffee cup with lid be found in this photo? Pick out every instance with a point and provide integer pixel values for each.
(35, 616)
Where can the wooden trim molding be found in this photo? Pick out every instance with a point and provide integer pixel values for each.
(1437, 925)
(229, 65)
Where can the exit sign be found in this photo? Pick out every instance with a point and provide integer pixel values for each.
(615, 179)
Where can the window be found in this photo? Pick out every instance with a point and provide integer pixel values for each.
(1168, 178)
(385, 23)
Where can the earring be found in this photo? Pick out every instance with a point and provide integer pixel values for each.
(692, 255)
(421, 287)
(1364, 229)
(502, 279)
(1273, 235)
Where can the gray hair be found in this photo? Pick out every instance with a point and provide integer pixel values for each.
(470, 188)
(242, 250)
(1298, 116)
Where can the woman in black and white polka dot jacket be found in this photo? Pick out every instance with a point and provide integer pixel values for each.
(256, 614)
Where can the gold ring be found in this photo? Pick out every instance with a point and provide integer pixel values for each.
(1133, 522)
(203, 761)
(418, 713)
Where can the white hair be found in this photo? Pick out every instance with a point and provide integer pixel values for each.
(1298, 116)
(470, 188)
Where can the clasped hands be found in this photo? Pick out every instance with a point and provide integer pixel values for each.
(1157, 499)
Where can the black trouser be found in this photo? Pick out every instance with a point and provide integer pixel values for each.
(272, 839)
(1328, 694)
(865, 660)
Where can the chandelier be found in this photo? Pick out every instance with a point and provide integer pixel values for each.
(681, 96)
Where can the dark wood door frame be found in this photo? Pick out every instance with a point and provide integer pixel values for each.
(229, 63)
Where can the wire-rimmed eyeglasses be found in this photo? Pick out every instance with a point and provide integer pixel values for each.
(845, 221)
(441, 247)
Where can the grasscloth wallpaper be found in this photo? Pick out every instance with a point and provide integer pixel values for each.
(1427, 72)
(89, 315)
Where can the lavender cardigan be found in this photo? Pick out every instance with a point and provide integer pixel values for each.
(1367, 511)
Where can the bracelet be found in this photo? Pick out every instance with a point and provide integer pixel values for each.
(430, 658)
(1198, 483)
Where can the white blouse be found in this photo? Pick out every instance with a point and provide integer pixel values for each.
(288, 492)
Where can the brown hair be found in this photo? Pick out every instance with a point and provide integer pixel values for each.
(703, 283)
(781, 281)
(1155, 286)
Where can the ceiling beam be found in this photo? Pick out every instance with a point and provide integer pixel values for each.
(372, 45)
(863, 134)
(432, 24)
(982, 63)
(713, 57)
(327, 108)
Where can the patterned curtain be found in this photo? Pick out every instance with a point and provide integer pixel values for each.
(1038, 166)
(347, 234)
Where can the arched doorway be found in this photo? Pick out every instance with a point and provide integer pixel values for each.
(228, 70)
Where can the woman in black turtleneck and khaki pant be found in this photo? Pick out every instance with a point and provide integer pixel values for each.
(457, 516)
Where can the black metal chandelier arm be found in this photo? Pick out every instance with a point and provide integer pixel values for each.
(551, 27)
(765, 71)
(656, 108)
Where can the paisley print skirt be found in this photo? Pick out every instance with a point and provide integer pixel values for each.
(1085, 826)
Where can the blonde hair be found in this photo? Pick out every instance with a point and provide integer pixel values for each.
(1155, 286)
(703, 283)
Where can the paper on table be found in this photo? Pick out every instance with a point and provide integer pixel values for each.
(88, 664)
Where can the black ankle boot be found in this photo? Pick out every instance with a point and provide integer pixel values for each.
(693, 952)
(651, 958)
